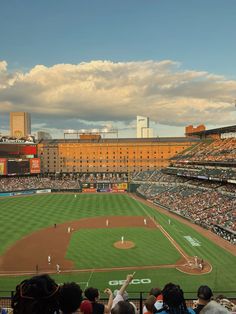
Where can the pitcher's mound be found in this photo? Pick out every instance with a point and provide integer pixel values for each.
(125, 245)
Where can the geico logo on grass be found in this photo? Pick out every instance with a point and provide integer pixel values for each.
(133, 282)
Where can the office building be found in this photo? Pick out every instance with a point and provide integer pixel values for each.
(20, 124)
(143, 130)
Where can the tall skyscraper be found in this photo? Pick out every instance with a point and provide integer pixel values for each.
(143, 130)
(20, 124)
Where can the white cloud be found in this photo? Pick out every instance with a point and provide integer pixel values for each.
(114, 92)
(3, 66)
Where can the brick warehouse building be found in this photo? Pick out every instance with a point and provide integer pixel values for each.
(94, 154)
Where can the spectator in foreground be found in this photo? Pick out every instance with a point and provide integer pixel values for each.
(37, 295)
(2, 310)
(123, 307)
(222, 300)
(86, 307)
(70, 298)
(214, 308)
(149, 305)
(121, 294)
(92, 294)
(173, 300)
(156, 292)
(204, 294)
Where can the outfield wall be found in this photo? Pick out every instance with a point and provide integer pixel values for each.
(41, 191)
(37, 191)
(25, 192)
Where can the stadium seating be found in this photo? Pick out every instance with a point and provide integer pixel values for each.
(200, 185)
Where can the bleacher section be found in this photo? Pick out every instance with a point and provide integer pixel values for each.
(200, 185)
(218, 150)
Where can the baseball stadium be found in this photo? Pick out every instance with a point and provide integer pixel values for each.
(92, 210)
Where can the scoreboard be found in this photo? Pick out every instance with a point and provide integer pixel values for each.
(18, 167)
(17, 150)
(18, 159)
(13, 167)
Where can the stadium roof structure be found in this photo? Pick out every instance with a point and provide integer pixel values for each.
(121, 140)
(203, 134)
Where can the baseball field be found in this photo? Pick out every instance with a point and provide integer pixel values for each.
(96, 239)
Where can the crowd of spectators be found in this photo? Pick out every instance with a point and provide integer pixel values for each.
(200, 185)
(57, 182)
(157, 176)
(42, 295)
(33, 182)
(206, 208)
(145, 175)
(199, 171)
(208, 203)
(102, 177)
(218, 150)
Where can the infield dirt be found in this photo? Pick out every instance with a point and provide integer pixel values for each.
(30, 254)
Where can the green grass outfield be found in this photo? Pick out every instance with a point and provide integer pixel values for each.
(92, 248)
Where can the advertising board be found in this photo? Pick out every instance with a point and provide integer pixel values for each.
(89, 190)
(35, 165)
(3, 166)
(120, 186)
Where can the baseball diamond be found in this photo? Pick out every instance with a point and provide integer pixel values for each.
(93, 250)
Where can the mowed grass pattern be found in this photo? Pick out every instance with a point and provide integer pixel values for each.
(94, 248)
(21, 216)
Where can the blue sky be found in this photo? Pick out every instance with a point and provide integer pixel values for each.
(95, 63)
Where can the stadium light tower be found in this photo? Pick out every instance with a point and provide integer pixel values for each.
(77, 133)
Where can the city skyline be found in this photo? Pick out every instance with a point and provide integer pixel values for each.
(83, 65)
